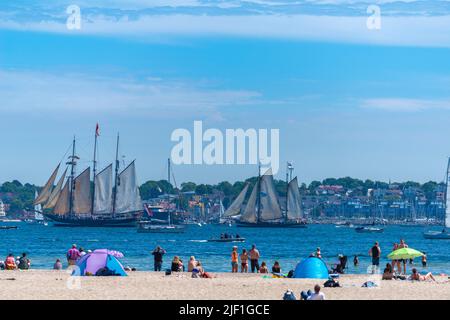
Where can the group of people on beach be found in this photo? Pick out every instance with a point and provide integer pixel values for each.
(18, 263)
(253, 255)
(389, 272)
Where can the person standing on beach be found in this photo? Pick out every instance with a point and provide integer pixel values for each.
(234, 260)
(375, 253)
(424, 260)
(254, 258)
(73, 255)
(158, 258)
(244, 261)
(400, 246)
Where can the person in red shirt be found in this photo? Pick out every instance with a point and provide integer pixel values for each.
(73, 255)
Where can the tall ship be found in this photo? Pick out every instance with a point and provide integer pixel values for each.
(444, 233)
(110, 200)
(263, 207)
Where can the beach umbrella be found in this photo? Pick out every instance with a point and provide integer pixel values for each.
(404, 253)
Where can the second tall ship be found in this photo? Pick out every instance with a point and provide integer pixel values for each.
(263, 208)
(104, 202)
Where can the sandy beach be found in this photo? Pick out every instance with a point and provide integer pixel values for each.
(49, 284)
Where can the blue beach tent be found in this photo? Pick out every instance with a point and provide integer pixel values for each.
(312, 268)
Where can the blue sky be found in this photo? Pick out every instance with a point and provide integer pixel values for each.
(348, 101)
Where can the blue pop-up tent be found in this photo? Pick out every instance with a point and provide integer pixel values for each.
(312, 268)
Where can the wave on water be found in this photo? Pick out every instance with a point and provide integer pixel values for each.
(200, 241)
(93, 240)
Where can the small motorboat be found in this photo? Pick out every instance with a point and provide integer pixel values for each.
(227, 240)
(444, 235)
(159, 228)
(7, 227)
(368, 230)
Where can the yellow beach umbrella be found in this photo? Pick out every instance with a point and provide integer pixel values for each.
(404, 253)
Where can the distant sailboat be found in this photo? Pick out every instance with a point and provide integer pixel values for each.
(263, 208)
(234, 210)
(38, 209)
(444, 234)
(110, 202)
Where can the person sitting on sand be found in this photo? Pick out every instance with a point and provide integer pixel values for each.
(192, 264)
(10, 262)
(418, 277)
(276, 267)
(24, 262)
(234, 260)
(263, 268)
(57, 265)
(73, 255)
(244, 261)
(177, 264)
(317, 295)
(388, 273)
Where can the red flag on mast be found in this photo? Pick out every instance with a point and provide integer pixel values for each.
(97, 130)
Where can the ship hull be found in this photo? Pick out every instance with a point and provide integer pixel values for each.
(271, 225)
(120, 222)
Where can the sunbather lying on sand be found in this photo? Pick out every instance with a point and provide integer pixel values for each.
(418, 277)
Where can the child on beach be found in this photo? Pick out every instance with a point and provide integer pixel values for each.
(234, 260)
(263, 268)
(244, 261)
(57, 265)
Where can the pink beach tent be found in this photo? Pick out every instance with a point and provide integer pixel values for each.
(98, 259)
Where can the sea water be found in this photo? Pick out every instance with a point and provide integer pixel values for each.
(44, 244)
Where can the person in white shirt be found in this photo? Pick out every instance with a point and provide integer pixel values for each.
(317, 295)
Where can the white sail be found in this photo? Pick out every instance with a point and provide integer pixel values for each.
(82, 193)
(235, 208)
(62, 205)
(270, 209)
(103, 191)
(294, 211)
(55, 193)
(128, 198)
(37, 209)
(250, 214)
(447, 198)
(47, 189)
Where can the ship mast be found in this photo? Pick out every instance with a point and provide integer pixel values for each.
(168, 195)
(116, 177)
(73, 162)
(287, 192)
(94, 171)
(259, 193)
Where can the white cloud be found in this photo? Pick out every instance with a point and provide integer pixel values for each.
(398, 31)
(405, 104)
(37, 92)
